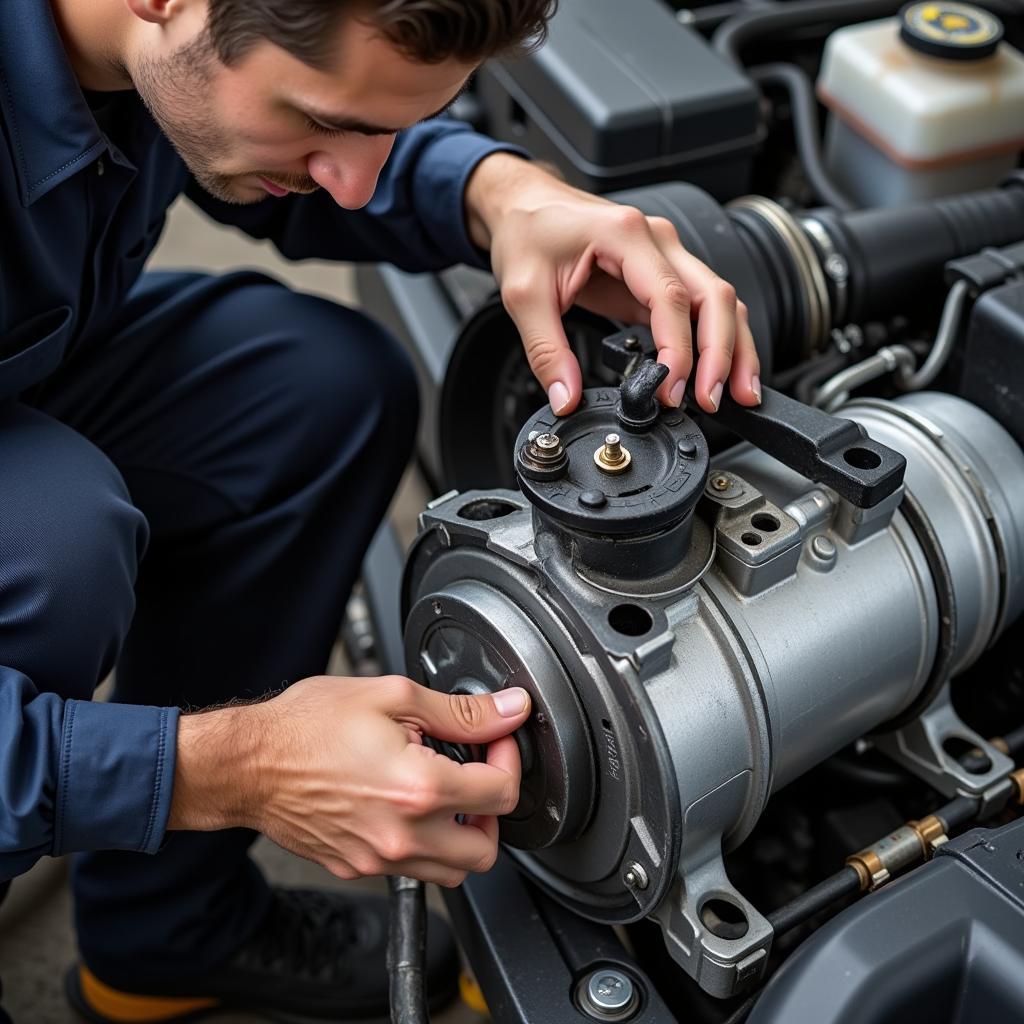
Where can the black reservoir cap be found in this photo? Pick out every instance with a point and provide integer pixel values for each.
(950, 31)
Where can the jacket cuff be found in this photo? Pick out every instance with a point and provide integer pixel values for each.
(116, 777)
(441, 180)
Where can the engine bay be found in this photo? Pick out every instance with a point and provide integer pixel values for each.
(774, 654)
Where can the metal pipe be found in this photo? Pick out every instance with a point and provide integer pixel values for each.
(407, 947)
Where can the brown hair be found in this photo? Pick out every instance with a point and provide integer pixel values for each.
(429, 31)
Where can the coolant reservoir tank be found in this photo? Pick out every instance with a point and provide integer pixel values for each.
(926, 104)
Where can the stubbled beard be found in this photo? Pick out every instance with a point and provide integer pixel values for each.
(177, 83)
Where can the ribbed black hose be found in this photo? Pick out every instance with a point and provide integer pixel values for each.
(804, 108)
(407, 950)
(733, 35)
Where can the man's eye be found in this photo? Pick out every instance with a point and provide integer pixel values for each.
(322, 129)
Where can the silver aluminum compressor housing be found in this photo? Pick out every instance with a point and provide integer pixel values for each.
(664, 720)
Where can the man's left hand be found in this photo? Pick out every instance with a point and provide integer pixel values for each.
(553, 245)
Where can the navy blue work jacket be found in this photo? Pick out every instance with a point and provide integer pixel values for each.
(80, 210)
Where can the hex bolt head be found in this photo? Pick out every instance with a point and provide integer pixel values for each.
(608, 994)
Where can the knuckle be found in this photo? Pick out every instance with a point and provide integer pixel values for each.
(518, 291)
(453, 880)
(394, 847)
(400, 689)
(741, 309)
(676, 293)
(725, 292)
(466, 710)
(663, 228)
(543, 352)
(629, 218)
(422, 795)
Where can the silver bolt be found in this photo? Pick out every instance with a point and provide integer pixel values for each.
(632, 343)
(635, 876)
(609, 992)
(836, 268)
(823, 548)
(547, 442)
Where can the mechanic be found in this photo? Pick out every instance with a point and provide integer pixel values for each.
(246, 440)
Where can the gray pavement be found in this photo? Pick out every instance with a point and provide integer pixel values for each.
(36, 938)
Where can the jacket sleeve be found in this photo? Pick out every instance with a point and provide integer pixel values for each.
(77, 775)
(415, 219)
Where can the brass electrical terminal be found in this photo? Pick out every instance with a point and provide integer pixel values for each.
(611, 457)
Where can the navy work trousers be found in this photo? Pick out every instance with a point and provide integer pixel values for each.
(259, 435)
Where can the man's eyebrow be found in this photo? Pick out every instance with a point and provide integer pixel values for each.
(354, 124)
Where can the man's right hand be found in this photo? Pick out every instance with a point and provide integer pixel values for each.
(335, 770)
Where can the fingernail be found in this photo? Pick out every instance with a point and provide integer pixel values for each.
(558, 396)
(675, 396)
(511, 702)
(716, 395)
(755, 386)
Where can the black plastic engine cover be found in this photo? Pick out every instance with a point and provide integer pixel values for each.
(941, 945)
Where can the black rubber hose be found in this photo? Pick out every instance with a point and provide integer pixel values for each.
(958, 811)
(804, 107)
(1014, 741)
(407, 950)
(818, 898)
(733, 35)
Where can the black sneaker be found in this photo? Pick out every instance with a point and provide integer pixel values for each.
(316, 956)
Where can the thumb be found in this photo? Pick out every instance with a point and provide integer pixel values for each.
(538, 319)
(471, 718)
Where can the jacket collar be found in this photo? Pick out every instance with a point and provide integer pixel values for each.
(50, 129)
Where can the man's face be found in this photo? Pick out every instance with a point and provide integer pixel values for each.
(270, 124)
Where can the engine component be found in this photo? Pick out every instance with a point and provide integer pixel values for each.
(966, 905)
(923, 105)
(993, 363)
(657, 103)
(671, 634)
(801, 275)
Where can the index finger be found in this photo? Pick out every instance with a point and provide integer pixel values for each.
(481, 788)
(653, 280)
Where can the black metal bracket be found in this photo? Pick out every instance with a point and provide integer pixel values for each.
(823, 448)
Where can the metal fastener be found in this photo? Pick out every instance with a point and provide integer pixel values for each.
(611, 457)
(608, 994)
(635, 876)
(632, 343)
(687, 447)
(720, 482)
(823, 548)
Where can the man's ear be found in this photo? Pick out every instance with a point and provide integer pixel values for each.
(158, 12)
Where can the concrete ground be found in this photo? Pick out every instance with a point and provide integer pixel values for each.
(36, 940)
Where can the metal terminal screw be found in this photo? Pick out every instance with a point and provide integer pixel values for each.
(720, 482)
(547, 444)
(543, 457)
(611, 456)
(635, 876)
(632, 343)
(823, 548)
(608, 994)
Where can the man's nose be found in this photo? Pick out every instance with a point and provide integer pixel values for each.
(349, 171)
